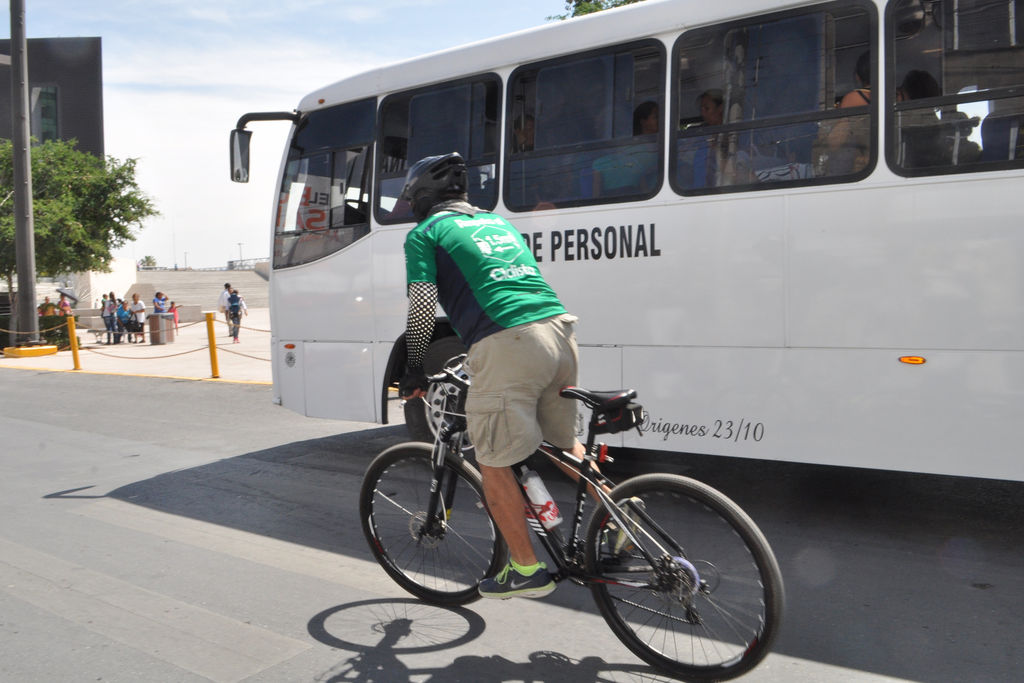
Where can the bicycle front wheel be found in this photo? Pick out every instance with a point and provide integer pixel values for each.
(697, 591)
(437, 555)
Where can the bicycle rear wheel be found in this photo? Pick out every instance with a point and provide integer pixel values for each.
(705, 602)
(438, 557)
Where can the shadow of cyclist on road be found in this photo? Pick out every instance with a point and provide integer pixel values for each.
(378, 631)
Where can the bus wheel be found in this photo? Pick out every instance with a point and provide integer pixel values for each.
(421, 418)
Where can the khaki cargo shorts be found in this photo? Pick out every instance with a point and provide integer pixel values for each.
(513, 402)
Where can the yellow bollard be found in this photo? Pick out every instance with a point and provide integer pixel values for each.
(213, 345)
(73, 339)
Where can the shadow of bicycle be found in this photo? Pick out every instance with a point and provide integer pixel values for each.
(378, 631)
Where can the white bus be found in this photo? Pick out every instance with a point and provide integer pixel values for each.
(780, 277)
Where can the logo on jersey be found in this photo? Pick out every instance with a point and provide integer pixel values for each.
(512, 272)
(498, 242)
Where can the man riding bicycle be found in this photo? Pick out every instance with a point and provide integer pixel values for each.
(522, 348)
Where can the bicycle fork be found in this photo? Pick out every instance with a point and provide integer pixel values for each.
(442, 496)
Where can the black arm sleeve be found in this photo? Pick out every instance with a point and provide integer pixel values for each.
(419, 326)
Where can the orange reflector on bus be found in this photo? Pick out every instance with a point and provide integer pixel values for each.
(289, 346)
(912, 360)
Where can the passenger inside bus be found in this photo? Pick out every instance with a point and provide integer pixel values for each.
(931, 140)
(632, 169)
(709, 157)
(861, 95)
(844, 144)
(523, 129)
(711, 104)
(920, 129)
(645, 119)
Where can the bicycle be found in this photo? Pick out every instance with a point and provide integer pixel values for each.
(682, 576)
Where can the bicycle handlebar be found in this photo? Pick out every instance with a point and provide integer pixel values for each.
(448, 375)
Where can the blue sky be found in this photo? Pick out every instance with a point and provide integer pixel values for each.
(177, 74)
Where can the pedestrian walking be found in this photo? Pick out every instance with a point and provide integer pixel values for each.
(222, 303)
(236, 309)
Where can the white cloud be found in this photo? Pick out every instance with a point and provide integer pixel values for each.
(217, 15)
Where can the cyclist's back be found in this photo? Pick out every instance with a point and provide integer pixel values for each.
(487, 279)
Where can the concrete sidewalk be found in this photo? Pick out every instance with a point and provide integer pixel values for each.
(187, 357)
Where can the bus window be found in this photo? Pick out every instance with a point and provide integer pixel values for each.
(455, 117)
(323, 202)
(756, 103)
(587, 129)
(955, 78)
(350, 187)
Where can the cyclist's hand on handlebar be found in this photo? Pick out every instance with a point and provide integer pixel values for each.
(413, 384)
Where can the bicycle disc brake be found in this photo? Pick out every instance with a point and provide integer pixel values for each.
(676, 576)
(426, 532)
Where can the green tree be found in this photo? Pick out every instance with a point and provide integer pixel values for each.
(84, 208)
(148, 262)
(576, 8)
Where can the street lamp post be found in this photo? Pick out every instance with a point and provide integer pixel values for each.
(24, 228)
(240, 251)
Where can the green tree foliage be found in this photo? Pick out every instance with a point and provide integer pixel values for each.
(84, 208)
(576, 8)
(148, 262)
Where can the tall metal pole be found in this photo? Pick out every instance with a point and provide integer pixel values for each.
(24, 229)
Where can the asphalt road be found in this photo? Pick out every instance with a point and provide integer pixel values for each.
(175, 530)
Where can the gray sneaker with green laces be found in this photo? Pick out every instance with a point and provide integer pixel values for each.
(509, 583)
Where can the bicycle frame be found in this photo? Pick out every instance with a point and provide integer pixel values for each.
(568, 557)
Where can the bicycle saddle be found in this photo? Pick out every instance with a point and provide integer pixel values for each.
(603, 401)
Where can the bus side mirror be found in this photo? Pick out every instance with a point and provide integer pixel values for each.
(240, 155)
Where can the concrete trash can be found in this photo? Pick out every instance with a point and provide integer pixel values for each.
(157, 329)
(168, 334)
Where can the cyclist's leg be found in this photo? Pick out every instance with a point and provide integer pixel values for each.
(557, 415)
(510, 372)
(506, 505)
(524, 576)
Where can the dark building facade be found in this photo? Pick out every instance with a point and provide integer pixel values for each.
(65, 91)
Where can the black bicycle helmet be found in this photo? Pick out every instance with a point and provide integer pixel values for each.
(432, 180)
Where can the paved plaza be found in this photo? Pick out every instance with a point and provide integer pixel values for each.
(187, 357)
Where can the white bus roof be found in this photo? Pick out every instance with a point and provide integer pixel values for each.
(618, 25)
